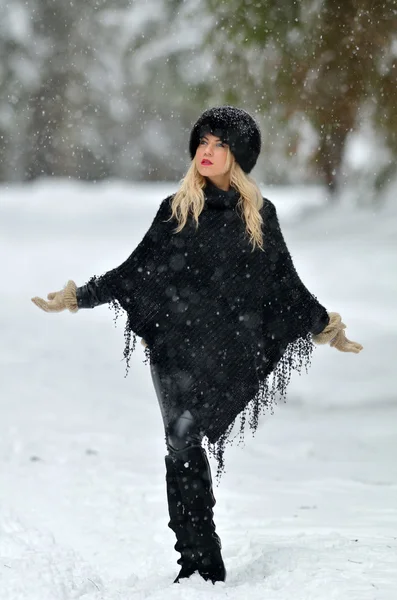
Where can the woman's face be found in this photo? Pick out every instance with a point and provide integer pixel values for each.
(211, 156)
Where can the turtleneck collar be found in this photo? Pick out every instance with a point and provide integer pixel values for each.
(219, 199)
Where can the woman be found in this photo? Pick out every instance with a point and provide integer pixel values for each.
(223, 315)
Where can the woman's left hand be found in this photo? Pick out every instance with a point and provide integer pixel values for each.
(341, 343)
(334, 335)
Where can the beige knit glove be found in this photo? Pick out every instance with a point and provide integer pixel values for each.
(59, 301)
(334, 335)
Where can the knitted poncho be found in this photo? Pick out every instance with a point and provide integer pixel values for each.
(228, 323)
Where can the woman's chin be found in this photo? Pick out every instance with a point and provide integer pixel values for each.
(203, 172)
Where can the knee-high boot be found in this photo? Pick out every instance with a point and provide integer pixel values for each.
(193, 474)
(178, 521)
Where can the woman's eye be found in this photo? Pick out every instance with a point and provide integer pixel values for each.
(220, 144)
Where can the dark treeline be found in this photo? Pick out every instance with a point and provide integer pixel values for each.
(97, 89)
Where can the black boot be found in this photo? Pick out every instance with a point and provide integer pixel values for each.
(193, 473)
(178, 522)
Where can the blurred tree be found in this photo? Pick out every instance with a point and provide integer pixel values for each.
(69, 109)
(310, 62)
(19, 76)
(47, 105)
(163, 67)
(98, 89)
(111, 89)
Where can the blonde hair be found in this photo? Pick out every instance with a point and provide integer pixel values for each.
(190, 198)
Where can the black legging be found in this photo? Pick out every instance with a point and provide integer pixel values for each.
(181, 429)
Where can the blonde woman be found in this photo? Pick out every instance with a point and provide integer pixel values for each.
(224, 317)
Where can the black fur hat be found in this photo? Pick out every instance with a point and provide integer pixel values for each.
(235, 127)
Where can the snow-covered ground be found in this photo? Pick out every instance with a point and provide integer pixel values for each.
(307, 510)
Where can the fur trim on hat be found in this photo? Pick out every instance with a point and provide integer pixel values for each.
(235, 127)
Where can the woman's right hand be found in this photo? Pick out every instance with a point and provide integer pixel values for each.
(59, 301)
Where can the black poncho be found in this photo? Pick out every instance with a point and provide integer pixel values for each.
(228, 323)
